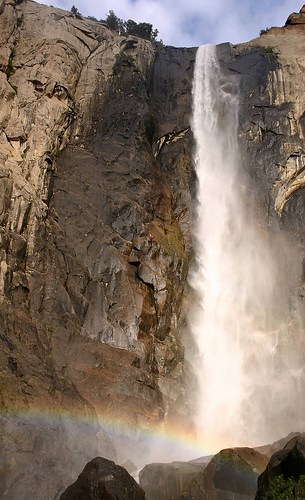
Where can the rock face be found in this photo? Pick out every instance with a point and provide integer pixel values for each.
(296, 18)
(102, 478)
(95, 236)
(96, 189)
(271, 118)
(164, 481)
(286, 463)
(95, 240)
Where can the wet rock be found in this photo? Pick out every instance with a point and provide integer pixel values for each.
(232, 473)
(287, 463)
(102, 478)
(272, 146)
(164, 481)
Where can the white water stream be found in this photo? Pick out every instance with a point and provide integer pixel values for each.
(251, 370)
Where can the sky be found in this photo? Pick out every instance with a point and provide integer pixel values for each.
(189, 23)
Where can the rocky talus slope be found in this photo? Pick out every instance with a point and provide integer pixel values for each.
(96, 191)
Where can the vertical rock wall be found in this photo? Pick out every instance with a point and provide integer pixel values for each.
(95, 179)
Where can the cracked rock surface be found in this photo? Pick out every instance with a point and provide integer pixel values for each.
(95, 240)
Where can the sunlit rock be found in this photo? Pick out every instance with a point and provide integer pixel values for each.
(296, 18)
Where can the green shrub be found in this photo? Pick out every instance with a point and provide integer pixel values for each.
(130, 27)
(271, 54)
(150, 127)
(281, 489)
(123, 59)
(20, 21)
(158, 45)
(114, 22)
(141, 30)
(55, 153)
(300, 488)
(10, 68)
(74, 10)
(263, 31)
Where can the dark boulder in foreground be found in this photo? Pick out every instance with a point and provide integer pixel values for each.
(102, 479)
(285, 472)
(231, 474)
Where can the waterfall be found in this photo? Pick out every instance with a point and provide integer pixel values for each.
(251, 370)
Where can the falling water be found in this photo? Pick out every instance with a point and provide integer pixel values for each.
(250, 374)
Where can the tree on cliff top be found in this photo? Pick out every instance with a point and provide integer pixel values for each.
(74, 10)
(130, 27)
(115, 23)
(142, 30)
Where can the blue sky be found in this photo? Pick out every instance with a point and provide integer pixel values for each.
(193, 22)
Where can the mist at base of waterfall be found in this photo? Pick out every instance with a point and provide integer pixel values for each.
(250, 363)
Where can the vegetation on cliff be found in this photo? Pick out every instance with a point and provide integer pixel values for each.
(129, 27)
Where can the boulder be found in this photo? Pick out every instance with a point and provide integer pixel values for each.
(286, 464)
(231, 474)
(103, 479)
(168, 480)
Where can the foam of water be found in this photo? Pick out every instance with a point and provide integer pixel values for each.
(251, 372)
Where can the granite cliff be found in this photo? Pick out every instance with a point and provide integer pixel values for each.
(95, 233)
(96, 194)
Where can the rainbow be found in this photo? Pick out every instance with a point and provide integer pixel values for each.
(169, 438)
